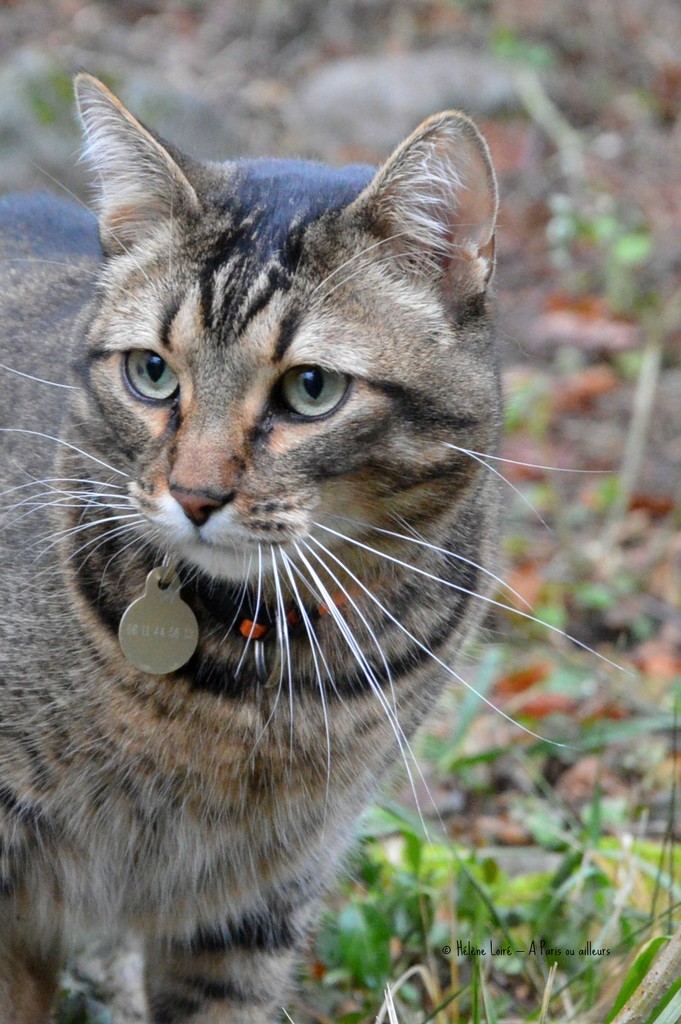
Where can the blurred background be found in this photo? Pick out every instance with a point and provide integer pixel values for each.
(580, 102)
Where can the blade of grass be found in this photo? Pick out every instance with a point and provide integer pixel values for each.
(445, 1002)
(662, 976)
(671, 1013)
(635, 975)
(656, 326)
(490, 1012)
(547, 993)
(388, 1005)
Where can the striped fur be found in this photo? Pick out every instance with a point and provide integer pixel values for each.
(209, 809)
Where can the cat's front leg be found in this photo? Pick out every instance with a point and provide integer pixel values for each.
(239, 973)
(29, 960)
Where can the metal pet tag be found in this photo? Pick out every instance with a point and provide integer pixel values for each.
(159, 632)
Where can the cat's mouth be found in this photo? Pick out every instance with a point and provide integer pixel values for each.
(295, 546)
(221, 545)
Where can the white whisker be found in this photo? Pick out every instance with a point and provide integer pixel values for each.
(99, 541)
(392, 257)
(67, 444)
(314, 643)
(36, 482)
(78, 496)
(39, 380)
(120, 551)
(443, 551)
(279, 625)
(529, 465)
(346, 632)
(359, 612)
(479, 597)
(65, 502)
(431, 654)
(71, 531)
(281, 609)
(358, 255)
(509, 483)
(242, 593)
(255, 614)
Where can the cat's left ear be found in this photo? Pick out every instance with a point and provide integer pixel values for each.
(435, 202)
(140, 184)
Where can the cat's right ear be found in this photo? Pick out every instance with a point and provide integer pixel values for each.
(434, 204)
(139, 183)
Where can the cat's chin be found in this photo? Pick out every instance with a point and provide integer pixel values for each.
(234, 564)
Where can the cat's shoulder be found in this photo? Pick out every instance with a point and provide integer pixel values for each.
(40, 223)
(50, 258)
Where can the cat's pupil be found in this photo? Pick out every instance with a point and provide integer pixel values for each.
(313, 382)
(155, 367)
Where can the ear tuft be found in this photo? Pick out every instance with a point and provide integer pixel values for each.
(436, 198)
(139, 184)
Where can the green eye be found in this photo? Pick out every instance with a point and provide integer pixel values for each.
(312, 391)
(149, 375)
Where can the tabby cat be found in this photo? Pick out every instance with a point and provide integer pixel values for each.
(246, 534)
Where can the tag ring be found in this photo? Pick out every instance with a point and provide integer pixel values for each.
(260, 661)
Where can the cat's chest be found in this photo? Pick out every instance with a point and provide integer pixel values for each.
(147, 750)
(176, 871)
(154, 822)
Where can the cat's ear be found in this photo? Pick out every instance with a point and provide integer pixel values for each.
(435, 201)
(139, 183)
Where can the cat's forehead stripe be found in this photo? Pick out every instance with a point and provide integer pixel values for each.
(185, 322)
(257, 254)
(164, 332)
(237, 290)
(287, 332)
(276, 278)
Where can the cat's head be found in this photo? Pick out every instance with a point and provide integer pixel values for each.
(278, 343)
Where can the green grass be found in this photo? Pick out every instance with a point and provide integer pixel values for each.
(574, 917)
(485, 938)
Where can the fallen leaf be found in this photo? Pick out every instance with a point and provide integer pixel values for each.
(596, 711)
(523, 679)
(526, 581)
(658, 661)
(588, 333)
(655, 505)
(667, 89)
(545, 704)
(591, 307)
(317, 970)
(578, 392)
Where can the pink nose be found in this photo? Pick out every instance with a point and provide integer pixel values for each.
(199, 505)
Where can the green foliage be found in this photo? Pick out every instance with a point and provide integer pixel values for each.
(528, 407)
(431, 901)
(635, 975)
(509, 45)
(50, 97)
(363, 935)
(621, 244)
